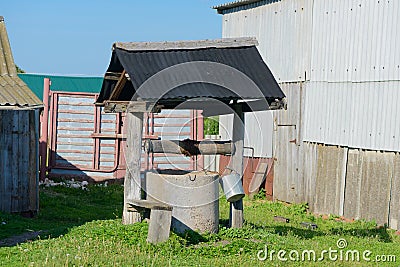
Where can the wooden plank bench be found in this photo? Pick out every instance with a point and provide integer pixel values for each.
(160, 218)
(258, 178)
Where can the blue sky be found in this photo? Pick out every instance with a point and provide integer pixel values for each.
(75, 37)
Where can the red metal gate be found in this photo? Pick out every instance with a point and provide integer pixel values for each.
(86, 143)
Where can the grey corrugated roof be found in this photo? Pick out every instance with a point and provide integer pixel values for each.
(13, 91)
(172, 72)
(221, 8)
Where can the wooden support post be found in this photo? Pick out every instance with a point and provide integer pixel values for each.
(160, 218)
(159, 227)
(44, 124)
(133, 151)
(236, 208)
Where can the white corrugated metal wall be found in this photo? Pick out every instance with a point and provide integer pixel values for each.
(344, 55)
(288, 57)
(353, 94)
(283, 30)
(357, 115)
(344, 49)
(355, 41)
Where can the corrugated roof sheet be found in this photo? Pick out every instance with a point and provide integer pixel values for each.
(62, 83)
(13, 91)
(190, 72)
(228, 7)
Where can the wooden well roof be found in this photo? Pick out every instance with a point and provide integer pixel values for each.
(171, 73)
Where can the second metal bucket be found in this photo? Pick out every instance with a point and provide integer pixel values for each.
(232, 186)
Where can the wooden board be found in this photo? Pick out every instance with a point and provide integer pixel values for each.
(185, 45)
(190, 147)
(258, 178)
(236, 208)
(19, 141)
(132, 182)
(148, 204)
(129, 106)
(159, 227)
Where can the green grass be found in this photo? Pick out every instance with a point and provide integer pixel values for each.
(62, 208)
(83, 228)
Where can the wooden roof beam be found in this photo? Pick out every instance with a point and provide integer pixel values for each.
(115, 76)
(130, 106)
(187, 45)
(119, 86)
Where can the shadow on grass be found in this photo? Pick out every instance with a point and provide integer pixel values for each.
(380, 233)
(192, 237)
(282, 230)
(224, 222)
(285, 230)
(305, 233)
(298, 232)
(63, 208)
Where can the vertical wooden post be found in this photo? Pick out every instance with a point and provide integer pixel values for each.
(133, 151)
(146, 133)
(236, 208)
(199, 136)
(44, 119)
(159, 226)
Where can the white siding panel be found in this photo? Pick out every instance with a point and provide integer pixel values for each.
(355, 40)
(258, 132)
(283, 30)
(260, 125)
(357, 115)
(225, 126)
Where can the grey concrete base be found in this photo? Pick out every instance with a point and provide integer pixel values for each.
(193, 195)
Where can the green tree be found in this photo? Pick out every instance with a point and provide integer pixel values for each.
(211, 125)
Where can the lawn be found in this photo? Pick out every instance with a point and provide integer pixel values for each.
(83, 228)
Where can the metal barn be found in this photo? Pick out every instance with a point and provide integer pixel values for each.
(337, 145)
(19, 137)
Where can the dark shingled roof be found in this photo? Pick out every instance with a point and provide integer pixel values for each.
(211, 68)
(221, 9)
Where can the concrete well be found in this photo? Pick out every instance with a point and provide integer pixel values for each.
(193, 195)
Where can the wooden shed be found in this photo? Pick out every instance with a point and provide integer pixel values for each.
(19, 136)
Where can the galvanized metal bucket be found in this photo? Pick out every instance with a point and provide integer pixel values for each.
(232, 186)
